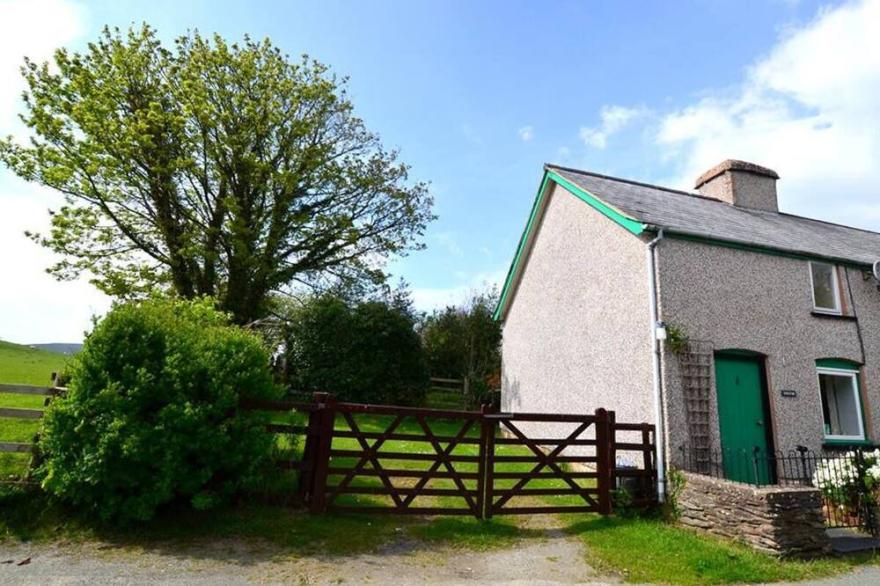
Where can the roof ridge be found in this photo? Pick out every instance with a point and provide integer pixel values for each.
(705, 197)
(633, 182)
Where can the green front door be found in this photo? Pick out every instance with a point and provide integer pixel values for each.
(742, 416)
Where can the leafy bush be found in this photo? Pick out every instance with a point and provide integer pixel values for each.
(846, 479)
(152, 413)
(366, 351)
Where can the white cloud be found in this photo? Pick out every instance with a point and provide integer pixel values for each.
(526, 133)
(33, 306)
(427, 299)
(613, 119)
(32, 28)
(809, 110)
(449, 241)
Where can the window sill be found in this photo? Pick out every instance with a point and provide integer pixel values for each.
(826, 315)
(843, 444)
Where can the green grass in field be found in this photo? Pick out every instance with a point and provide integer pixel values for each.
(26, 366)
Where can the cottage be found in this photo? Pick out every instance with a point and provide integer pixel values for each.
(734, 326)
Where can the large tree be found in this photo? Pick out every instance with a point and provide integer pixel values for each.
(464, 341)
(210, 169)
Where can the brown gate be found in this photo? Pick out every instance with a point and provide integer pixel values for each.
(380, 458)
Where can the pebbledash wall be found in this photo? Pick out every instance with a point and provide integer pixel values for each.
(577, 335)
(785, 521)
(737, 299)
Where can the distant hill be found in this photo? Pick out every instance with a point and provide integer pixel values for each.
(60, 348)
(28, 366)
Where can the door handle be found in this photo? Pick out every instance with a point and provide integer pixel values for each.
(760, 423)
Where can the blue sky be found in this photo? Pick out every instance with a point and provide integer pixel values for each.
(478, 95)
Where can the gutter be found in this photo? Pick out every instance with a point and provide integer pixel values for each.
(660, 430)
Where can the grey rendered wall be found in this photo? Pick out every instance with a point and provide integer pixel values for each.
(577, 334)
(737, 299)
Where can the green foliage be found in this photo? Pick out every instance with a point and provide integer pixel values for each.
(152, 413)
(465, 342)
(211, 169)
(676, 339)
(360, 351)
(675, 481)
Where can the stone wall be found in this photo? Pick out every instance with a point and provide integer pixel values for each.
(778, 520)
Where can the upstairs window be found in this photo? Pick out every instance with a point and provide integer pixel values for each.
(841, 402)
(826, 294)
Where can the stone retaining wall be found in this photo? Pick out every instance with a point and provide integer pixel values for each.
(780, 520)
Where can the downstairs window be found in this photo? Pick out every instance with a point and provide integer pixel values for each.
(841, 401)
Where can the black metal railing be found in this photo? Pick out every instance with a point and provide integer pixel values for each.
(848, 480)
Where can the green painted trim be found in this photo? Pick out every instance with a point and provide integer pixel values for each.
(631, 225)
(839, 363)
(670, 233)
(828, 442)
(505, 291)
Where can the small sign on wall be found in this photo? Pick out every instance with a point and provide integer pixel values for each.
(788, 393)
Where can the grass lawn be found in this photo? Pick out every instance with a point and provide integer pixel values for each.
(644, 550)
(26, 366)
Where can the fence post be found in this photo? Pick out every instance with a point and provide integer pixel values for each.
(310, 457)
(327, 409)
(489, 481)
(612, 453)
(481, 465)
(603, 466)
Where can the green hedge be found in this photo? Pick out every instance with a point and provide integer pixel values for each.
(152, 413)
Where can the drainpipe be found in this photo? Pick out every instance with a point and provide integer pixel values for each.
(660, 435)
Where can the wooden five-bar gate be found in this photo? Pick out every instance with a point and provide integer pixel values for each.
(405, 460)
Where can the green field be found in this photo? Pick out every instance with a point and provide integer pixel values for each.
(26, 366)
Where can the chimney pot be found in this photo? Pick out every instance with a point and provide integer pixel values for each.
(741, 184)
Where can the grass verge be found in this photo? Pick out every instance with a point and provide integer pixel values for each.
(28, 515)
(647, 550)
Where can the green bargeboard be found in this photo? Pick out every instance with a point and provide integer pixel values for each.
(742, 418)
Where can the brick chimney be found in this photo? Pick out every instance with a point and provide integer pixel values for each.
(741, 184)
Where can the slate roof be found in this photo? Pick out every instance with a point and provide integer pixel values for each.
(692, 214)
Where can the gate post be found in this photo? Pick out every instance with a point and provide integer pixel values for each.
(489, 469)
(310, 457)
(603, 464)
(327, 409)
(485, 430)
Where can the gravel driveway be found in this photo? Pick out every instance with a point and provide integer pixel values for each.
(556, 559)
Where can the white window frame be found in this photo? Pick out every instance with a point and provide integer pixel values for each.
(854, 375)
(835, 286)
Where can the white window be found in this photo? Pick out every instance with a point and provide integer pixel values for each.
(826, 294)
(841, 404)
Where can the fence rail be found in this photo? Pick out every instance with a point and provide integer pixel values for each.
(20, 413)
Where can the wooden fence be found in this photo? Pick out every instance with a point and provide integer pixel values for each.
(475, 458)
(19, 413)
